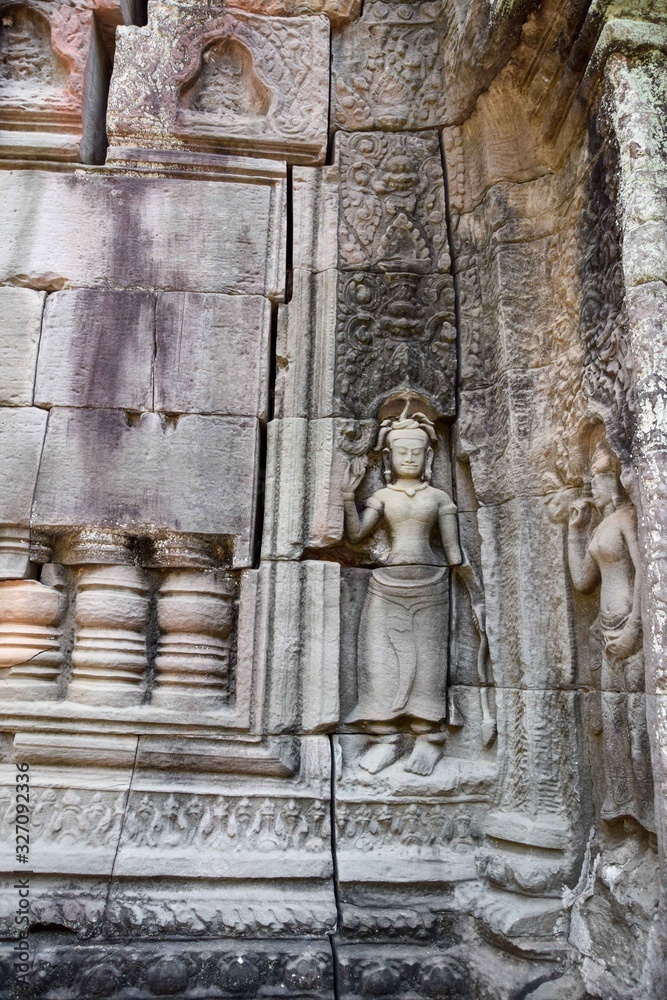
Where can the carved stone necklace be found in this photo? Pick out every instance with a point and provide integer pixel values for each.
(408, 490)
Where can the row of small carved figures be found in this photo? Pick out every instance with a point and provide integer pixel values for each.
(174, 821)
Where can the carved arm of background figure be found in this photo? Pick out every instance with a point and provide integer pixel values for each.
(584, 570)
(630, 639)
(474, 587)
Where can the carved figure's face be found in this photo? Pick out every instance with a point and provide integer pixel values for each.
(604, 488)
(408, 456)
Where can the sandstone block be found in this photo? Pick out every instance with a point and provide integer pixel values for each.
(306, 462)
(315, 208)
(233, 82)
(22, 432)
(20, 320)
(306, 346)
(392, 203)
(338, 11)
(195, 474)
(212, 354)
(196, 622)
(30, 655)
(148, 232)
(109, 657)
(97, 350)
(531, 642)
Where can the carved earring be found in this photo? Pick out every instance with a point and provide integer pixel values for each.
(428, 467)
(386, 462)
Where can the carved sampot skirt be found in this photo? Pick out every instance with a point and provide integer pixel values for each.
(402, 646)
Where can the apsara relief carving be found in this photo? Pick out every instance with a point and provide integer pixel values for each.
(604, 552)
(402, 643)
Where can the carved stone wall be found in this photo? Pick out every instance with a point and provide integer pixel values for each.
(332, 529)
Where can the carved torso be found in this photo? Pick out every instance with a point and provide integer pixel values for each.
(411, 520)
(609, 549)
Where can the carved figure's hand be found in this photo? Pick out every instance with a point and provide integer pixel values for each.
(580, 513)
(628, 642)
(352, 475)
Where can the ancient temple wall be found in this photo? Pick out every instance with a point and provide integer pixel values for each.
(298, 719)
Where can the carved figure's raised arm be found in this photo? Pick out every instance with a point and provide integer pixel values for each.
(357, 528)
(584, 570)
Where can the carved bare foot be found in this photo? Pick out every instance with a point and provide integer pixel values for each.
(425, 755)
(380, 755)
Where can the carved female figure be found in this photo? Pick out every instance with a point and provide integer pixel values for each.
(402, 643)
(609, 556)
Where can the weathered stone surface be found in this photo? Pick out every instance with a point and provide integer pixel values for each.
(133, 232)
(306, 463)
(22, 432)
(30, 654)
(197, 474)
(506, 431)
(20, 321)
(97, 350)
(212, 354)
(195, 617)
(297, 622)
(231, 83)
(392, 204)
(338, 11)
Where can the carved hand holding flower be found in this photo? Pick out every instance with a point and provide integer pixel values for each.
(353, 473)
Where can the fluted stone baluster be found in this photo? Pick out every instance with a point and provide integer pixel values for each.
(195, 618)
(109, 660)
(30, 655)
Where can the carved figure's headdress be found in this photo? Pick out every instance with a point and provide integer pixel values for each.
(406, 426)
(603, 460)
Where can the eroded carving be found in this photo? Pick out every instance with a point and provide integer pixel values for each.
(231, 82)
(27, 60)
(109, 659)
(395, 326)
(402, 649)
(195, 616)
(228, 83)
(396, 330)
